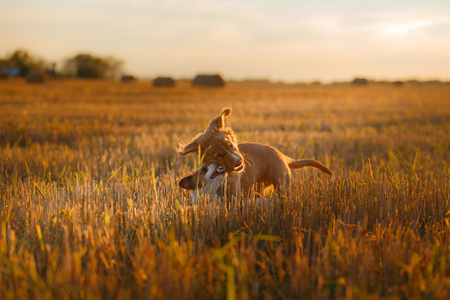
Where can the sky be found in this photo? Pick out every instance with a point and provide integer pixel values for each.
(277, 40)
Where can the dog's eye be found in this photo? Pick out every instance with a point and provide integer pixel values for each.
(231, 145)
(204, 170)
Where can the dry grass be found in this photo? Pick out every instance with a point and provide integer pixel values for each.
(90, 206)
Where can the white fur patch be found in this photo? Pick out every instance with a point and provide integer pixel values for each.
(210, 185)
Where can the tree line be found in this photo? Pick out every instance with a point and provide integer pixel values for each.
(83, 65)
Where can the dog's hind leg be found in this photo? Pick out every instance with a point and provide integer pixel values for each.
(282, 184)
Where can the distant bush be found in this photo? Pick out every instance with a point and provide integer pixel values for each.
(20, 63)
(89, 66)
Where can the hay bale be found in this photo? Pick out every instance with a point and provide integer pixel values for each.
(208, 81)
(360, 81)
(35, 76)
(127, 78)
(164, 82)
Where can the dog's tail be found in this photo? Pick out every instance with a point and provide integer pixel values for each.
(298, 164)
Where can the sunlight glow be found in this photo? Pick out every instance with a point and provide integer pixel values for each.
(405, 29)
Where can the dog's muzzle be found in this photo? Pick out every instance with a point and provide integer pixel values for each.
(218, 171)
(239, 166)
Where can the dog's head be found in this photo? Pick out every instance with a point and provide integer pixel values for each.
(209, 177)
(204, 177)
(217, 144)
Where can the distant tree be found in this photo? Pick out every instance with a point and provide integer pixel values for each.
(23, 60)
(89, 66)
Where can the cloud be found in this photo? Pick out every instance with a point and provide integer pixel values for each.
(414, 28)
(405, 23)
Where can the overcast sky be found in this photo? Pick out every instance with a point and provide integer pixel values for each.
(271, 39)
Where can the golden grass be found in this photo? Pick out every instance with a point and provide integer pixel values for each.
(91, 208)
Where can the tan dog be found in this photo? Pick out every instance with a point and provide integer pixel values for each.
(263, 167)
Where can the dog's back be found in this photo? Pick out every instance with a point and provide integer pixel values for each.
(264, 165)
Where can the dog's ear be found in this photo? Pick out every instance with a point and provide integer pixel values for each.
(219, 122)
(192, 147)
(187, 183)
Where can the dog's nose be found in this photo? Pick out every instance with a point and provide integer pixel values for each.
(237, 162)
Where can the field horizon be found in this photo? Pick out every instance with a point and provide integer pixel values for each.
(91, 207)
